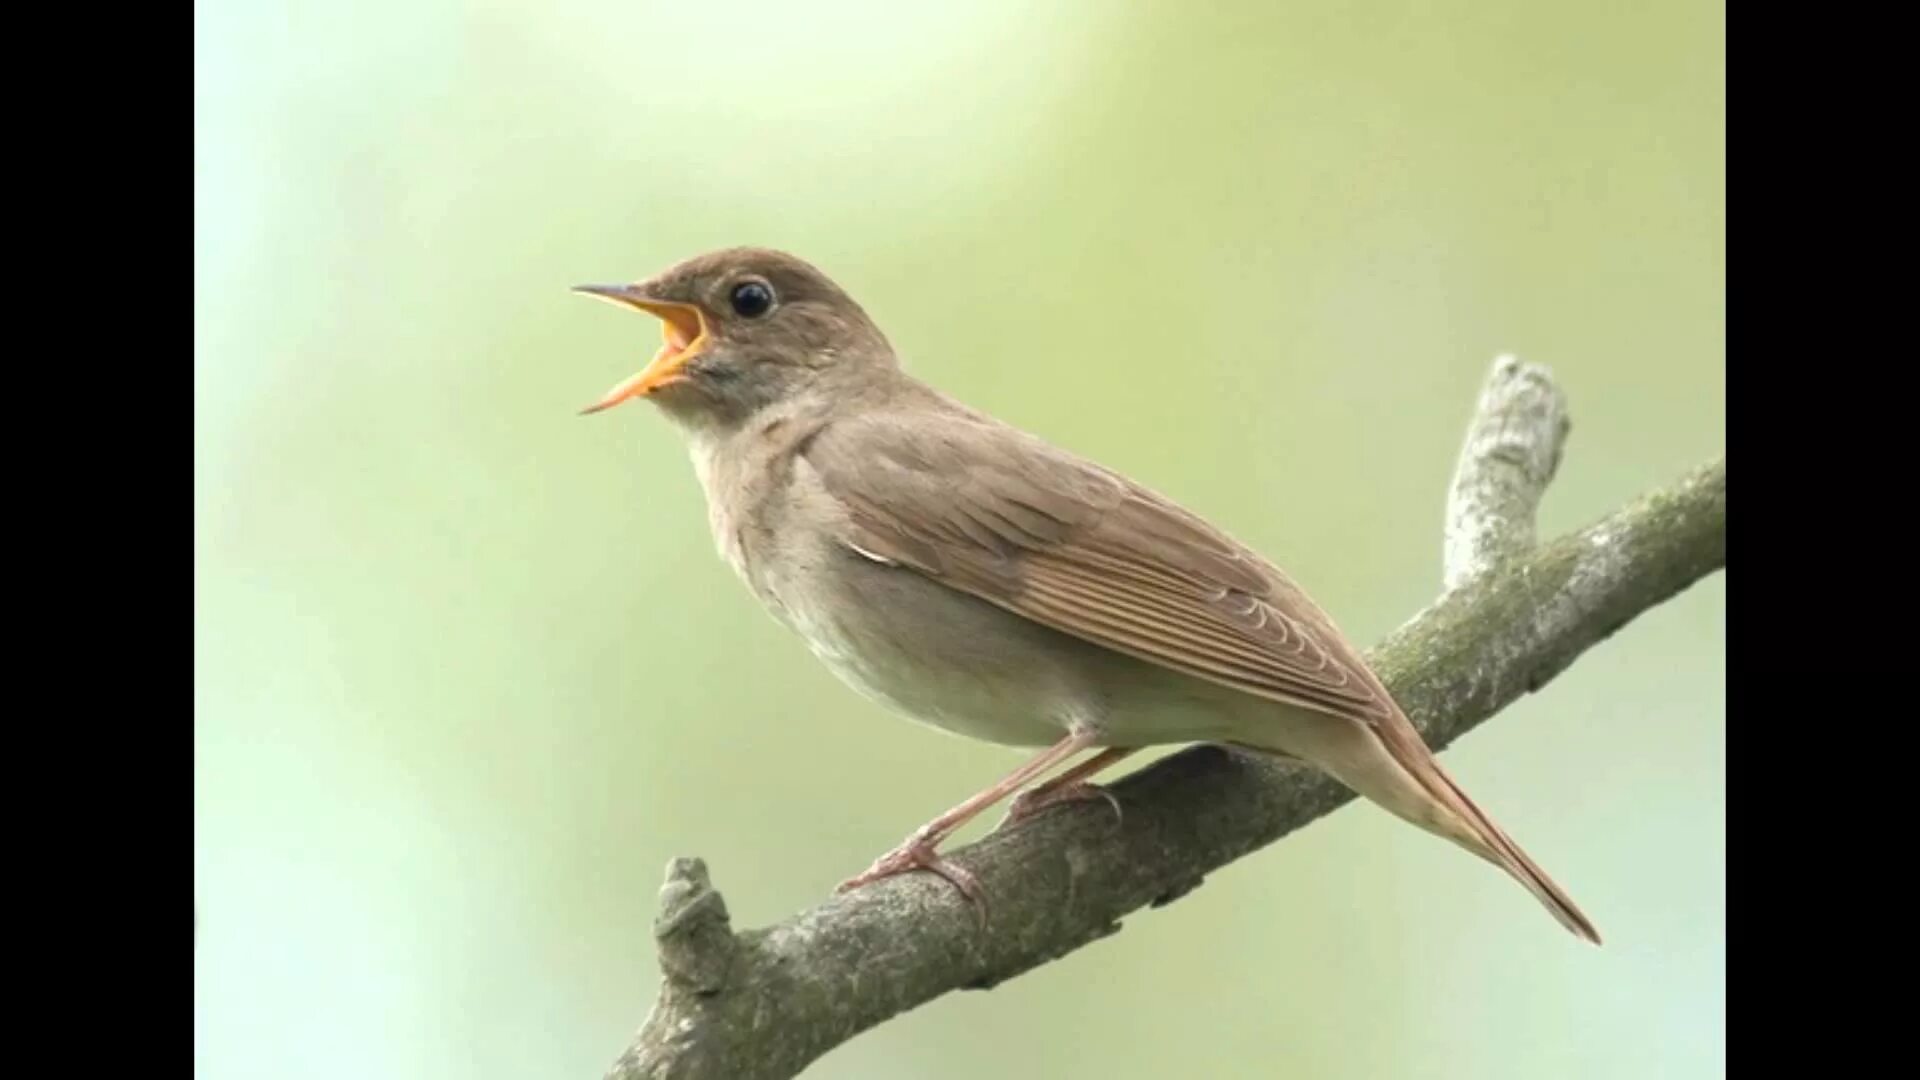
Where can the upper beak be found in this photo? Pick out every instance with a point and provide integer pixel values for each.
(683, 327)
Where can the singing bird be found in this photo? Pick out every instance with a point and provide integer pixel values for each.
(976, 578)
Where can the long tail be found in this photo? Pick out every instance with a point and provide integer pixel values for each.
(1490, 842)
(1391, 765)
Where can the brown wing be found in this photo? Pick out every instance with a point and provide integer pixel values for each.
(1003, 516)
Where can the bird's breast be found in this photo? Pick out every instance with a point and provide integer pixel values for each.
(899, 638)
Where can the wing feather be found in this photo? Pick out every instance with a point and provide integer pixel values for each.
(1003, 516)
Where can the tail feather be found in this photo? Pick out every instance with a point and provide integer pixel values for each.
(1390, 765)
(1497, 847)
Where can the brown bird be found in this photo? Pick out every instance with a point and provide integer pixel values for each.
(976, 578)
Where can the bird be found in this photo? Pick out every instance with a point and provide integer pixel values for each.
(974, 577)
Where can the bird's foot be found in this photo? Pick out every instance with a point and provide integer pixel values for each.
(918, 853)
(1029, 803)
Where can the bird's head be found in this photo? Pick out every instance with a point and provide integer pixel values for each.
(745, 328)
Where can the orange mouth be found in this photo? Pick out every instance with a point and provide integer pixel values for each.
(682, 326)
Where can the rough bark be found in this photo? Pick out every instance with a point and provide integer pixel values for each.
(754, 1004)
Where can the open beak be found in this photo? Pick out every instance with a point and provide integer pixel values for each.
(683, 326)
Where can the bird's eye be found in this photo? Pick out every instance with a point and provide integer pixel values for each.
(752, 299)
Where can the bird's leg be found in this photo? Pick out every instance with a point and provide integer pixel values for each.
(1069, 786)
(917, 852)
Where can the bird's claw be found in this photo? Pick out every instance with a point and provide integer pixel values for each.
(918, 854)
(1029, 803)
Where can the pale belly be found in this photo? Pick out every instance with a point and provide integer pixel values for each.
(935, 657)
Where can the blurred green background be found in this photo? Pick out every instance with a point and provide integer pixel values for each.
(468, 671)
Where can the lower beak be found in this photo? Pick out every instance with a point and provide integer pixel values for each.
(683, 327)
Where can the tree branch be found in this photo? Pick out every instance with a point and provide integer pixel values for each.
(1511, 453)
(763, 1004)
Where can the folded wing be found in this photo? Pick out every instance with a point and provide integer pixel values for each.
(1000, 515)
